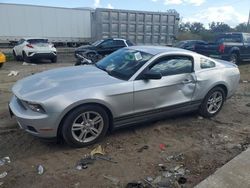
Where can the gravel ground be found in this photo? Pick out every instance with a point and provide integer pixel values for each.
(187, 146)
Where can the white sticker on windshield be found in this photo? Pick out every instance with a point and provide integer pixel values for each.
(138, 56)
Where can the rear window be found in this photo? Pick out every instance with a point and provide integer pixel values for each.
(206, 63)
(229, 38)
(36, 41)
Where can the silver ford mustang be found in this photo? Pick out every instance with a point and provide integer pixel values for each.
(129, 86)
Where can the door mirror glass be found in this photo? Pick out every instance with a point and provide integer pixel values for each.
(152, 75)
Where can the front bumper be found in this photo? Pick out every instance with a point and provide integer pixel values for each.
(37, 124)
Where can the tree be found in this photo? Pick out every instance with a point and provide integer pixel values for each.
(194, 28)
(219, 27)
(197, 27)
(242, 27)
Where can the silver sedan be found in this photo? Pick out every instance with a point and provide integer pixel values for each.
(131, 85)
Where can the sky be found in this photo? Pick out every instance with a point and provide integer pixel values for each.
(231, 12)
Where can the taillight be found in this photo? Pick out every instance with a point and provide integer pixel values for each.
(221, 48)
(29, 46)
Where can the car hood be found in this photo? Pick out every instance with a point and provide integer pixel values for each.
(85, 47)
(44, 85)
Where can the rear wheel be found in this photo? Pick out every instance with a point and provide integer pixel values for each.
(85, 126)
(26, 58)
(54, 60)
(234, 58)
(213, 102)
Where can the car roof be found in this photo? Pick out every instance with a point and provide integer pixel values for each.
(154, 50)
(30, 38)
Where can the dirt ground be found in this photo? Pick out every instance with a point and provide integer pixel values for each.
(204, 144)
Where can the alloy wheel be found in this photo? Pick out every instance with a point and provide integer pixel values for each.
(214, 102)
(87, 126)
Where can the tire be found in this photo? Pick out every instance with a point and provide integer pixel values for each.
(234, 58)
(54, 60)
(26, 58)
(15, 57)
(84, 126)
(210, 106)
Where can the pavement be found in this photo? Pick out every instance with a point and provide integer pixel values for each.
(234, 174)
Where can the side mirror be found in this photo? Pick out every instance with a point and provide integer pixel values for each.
(152, 75)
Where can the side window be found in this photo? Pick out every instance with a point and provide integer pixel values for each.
(173, 65)
(20, 41)
(107, 44)
(247, 38)
(206, 63)
(129, 43)
(119, 43)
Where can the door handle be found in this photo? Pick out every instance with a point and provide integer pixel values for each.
(187, 81)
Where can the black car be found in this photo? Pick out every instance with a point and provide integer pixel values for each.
(189, 44)
(102, 48)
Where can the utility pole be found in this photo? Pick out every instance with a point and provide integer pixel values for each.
(248, 23)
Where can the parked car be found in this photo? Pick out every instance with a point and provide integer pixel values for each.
(233, 47)
(2, 59)
(29, 49)
(132, 85)
(189, 44)
(101, 48)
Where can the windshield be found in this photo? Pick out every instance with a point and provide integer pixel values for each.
(96, 43)
(36, 41)
(123, 63)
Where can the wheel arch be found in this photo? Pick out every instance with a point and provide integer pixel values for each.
(68, 111)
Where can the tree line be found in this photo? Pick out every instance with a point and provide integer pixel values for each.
(197, 30)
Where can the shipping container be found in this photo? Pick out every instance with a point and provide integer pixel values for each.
(56, 24)
(140, 27)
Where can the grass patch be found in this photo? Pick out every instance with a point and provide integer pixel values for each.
(9, 57)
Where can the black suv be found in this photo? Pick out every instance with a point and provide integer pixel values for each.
(102, 47)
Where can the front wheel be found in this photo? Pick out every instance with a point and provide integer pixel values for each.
(234, 58)
(213, 102)
(85, 125)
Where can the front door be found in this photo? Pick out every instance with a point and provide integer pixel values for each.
(176, 87)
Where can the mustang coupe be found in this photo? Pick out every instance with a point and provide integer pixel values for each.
(132, 85)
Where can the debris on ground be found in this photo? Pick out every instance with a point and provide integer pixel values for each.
(182, 180)
(145, 147)
(149, 179)
(114, 180)
(4, 161)
(248, 104)
(40, 169)
(25, 63)
(200, 117)
(244, 81)
(135, 185)
(13, 73)
(84, 162)
(162, 147)
(1, 183)
(106, 158)
(97, 150)
(3, 175)
(178, 157)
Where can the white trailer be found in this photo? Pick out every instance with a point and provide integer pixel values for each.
(59, 25)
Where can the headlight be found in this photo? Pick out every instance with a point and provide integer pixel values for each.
(35, 107)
